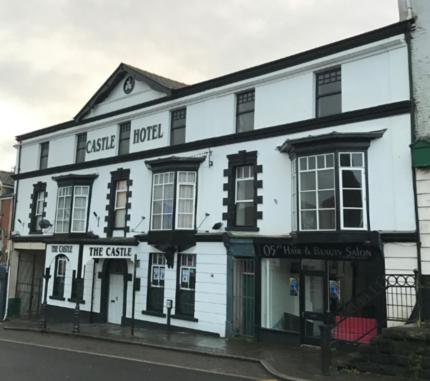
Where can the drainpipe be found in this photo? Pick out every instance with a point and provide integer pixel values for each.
(408, 38)
(12, 228)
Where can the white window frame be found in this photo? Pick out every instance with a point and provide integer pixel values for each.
(299, 192)
(116, 208)
(61, 267)
(178, 185)
(158, 260)
(60, 195)
(38, 212)
(154, 177)
(362, 169)
(72, 209)
(72, 230)
(188, 266)
(237, 180)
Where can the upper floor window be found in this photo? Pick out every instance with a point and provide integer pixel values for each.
(37, 207)
(73, 199)
(245, 196)
(44, 152)
(119, 203)
(81, 147)
(329, 188)
(165, 209)
(242, 185)
(245, 103)
(177, 133)
(124, 138)
(121, 190)
(328, 92)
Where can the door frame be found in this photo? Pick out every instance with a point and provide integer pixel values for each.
(104, 294)
(312, 315)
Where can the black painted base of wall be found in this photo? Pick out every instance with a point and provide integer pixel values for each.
(57, 314)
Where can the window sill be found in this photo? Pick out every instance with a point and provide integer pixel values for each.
(153, 313)
(242, 228)
(185, 317)
(57, 298)
(73, 300)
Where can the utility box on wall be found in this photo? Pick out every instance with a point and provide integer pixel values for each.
(421, 153)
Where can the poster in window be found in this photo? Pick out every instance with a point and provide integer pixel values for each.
(155, 273)
(185, 275)
(161, 274)
(294, 286)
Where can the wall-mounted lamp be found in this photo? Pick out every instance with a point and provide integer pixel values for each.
(97, 217)
(204, 218)
(134, 229)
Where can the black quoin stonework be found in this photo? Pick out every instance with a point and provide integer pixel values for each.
(236, 160)
(118, 175)
(38, 187)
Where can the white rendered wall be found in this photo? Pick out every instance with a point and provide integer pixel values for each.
(391, 199)
(118, 99)
(368, 80)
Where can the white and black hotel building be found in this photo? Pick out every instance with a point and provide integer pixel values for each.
(257, 202)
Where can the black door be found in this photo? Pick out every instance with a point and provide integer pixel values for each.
(155, 300)
(314, 298)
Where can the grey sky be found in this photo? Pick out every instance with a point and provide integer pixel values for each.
(56, 53)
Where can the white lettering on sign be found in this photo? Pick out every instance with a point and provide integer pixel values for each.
(61, 249)
(101, 144)
(110, 251)
(147, 133)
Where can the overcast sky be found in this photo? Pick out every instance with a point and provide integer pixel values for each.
(54, 54)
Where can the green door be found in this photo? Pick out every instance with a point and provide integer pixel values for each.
(248, 304)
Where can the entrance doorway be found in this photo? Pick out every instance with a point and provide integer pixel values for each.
(29, 282)
(116, 300)
(244, 297)
(313, 305)
(114, 290)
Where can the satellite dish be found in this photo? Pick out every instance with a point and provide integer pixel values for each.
(45, 224)
(217, 226)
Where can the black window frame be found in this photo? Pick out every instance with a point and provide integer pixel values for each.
(235, 161)
(58, 282)
(247, 96)
(38, 189)
(120, 174)
(124, 136)
(319, 76)
(44, 155)
(81, 149)
(155, 291)
(178, 121)
(183, 307)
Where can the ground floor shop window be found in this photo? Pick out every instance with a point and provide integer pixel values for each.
(156, 283)
(185, 296)
(280, 294)
(59, 276)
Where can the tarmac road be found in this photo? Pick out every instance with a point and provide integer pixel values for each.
(27, 356)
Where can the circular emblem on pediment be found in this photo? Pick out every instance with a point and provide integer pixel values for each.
(128, 85)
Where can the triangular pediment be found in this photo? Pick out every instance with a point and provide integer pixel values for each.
(127, 86)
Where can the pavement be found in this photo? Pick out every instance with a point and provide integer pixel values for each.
(282, 360)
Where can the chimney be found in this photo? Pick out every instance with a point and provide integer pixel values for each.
(405, 9)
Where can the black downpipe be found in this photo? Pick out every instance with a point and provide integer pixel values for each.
(408, 39)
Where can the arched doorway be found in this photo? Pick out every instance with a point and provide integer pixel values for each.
(114, 290)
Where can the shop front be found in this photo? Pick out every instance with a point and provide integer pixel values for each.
(305, 285)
